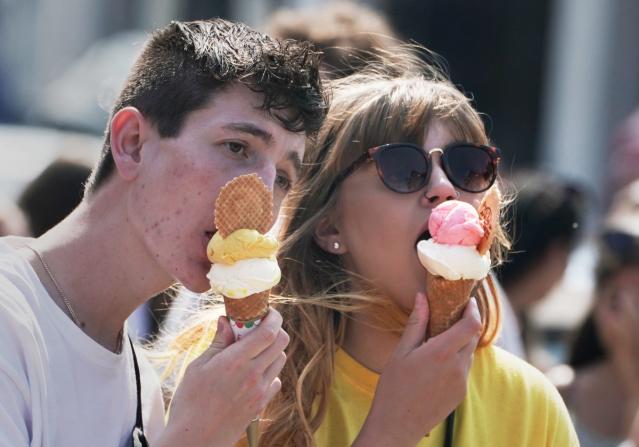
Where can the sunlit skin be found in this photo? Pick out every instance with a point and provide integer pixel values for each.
(171, 204)
(378, 229)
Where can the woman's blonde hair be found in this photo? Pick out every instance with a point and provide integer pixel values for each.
(379, 105)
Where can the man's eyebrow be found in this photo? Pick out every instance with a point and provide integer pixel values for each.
(251, 129)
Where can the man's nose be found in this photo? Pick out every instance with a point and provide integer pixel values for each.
(268, 172)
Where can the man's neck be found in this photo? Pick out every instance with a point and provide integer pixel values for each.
(101, 266)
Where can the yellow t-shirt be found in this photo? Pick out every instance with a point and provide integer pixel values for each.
(509, 403)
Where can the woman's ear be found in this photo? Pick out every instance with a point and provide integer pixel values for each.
(328, 237)
(128, 132)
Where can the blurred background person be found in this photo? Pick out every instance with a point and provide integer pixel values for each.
(350, 35)
(624, 157)
(545, 224)
(12, 219)
(601, 382)
(53, 194)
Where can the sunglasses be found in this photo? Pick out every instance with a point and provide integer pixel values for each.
(406, 168)
(621, 246)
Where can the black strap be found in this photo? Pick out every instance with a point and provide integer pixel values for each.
(138, 438)
(450, 429)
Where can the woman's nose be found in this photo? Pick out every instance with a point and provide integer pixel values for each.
(439, 188)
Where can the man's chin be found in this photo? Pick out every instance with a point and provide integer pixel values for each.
(196, 280)
(196, 284)
(198, 287)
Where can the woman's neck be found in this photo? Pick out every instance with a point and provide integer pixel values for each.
(370, 346)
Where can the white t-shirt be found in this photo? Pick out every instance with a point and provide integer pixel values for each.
(59, 387)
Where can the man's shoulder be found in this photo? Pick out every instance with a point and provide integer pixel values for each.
(19, 326)
(16, 284)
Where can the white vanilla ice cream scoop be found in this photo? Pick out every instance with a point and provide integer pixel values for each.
(453, 262)
(244, 277)
(452, 253)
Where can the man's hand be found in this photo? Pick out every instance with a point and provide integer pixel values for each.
(227, 386)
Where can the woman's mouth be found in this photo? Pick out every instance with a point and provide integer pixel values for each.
(422, 237)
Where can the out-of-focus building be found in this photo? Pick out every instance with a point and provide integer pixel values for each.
(552, 76)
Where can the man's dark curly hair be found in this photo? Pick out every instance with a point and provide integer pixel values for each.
(185, 62)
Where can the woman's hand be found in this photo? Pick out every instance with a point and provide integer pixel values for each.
(227, 386)
(424, 381)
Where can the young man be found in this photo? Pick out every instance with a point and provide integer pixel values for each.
(205, 102)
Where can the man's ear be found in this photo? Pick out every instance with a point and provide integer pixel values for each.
(328, 236)
(129, 129)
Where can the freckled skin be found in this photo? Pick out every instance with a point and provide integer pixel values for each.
(171, 204)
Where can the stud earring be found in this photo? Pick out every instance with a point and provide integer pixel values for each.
(335, 245)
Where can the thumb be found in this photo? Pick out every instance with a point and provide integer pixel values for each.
(223, 337)
(415, 330)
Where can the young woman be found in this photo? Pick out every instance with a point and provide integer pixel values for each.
(359, 372)
(603, 396)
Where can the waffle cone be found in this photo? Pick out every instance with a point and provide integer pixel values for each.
(446, 301)
(489, 218)
(250, 308)
(244, 202)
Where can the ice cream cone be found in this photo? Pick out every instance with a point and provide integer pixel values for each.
(245, 203)
(446, 301)
(250, 308)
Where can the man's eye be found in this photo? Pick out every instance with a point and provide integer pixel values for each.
(236, 148)
(283, 182)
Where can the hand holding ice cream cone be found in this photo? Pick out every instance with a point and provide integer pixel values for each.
(456, 256)
(244, 266)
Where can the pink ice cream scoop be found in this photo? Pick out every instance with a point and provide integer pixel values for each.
(455, 223)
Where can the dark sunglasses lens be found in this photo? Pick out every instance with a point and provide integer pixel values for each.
(470, 168)
(623, 246)
(402, 168)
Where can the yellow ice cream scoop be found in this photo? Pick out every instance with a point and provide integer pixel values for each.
(241, 244)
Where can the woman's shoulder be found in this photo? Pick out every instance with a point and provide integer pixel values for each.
(509, 380)
(509, 398)
(494, 364)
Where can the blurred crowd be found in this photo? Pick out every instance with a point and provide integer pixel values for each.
(549, 219)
